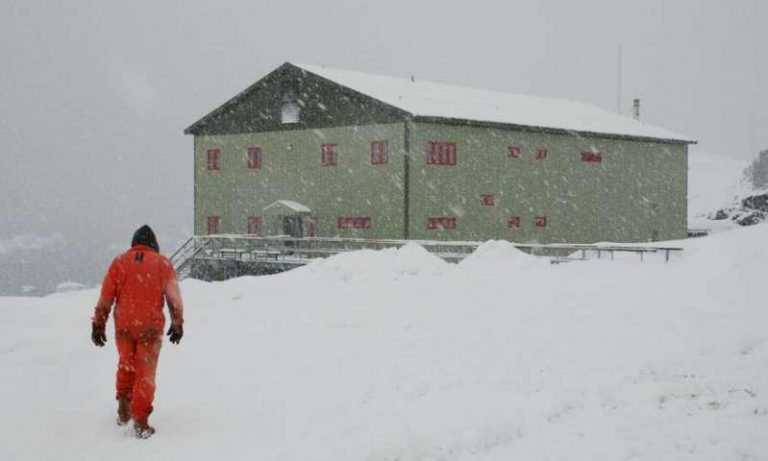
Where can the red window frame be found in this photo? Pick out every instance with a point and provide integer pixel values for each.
(441, 223)
(254, 225)
(441, 153)
(329, 154)
(379, 152)
(213, 224)
(541, 154)
(513, 222)
(354, 222)
(487, 199)
(254, 158)
(214, 159)
(541, 221)
(514, 151)
(314, 226)
(592, 157)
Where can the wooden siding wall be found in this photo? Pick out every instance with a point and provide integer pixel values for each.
(291, 170)
(637, 192)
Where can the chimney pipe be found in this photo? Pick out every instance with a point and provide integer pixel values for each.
(636, 109)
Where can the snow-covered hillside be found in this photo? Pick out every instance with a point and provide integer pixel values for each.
(714, 181)
(396, 355)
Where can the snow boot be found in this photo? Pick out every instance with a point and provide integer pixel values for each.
(123, 411)
(142, 429)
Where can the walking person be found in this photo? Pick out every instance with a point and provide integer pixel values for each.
(138, 283)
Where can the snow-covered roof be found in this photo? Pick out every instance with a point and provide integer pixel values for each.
(289, 204)
(428, 99)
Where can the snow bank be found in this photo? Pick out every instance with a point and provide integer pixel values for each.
(498, 255)
(388, 264)
(394, 355)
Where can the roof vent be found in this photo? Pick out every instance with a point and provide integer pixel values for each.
(636, 109)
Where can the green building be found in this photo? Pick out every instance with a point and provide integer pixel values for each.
(313, 151)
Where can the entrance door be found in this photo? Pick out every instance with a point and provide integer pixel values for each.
(291, 226)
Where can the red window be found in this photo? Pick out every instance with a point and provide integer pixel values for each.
(254, 225)
(441, 223)
(354, 223)
(379, 152)
(592, 157)
(541, 154)
(486, 199)
(314, 226)
(541, 221)
(254, 158)
(328, 155)
(513, 222)
(213, 224)
(214, 156)
(514, 151)
(441, 153)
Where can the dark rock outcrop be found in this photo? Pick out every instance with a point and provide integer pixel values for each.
(748, 211)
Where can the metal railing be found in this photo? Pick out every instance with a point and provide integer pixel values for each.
(287, 252)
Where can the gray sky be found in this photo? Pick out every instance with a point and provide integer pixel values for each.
(94, 95)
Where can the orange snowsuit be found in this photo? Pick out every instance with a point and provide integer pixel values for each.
(138, 281)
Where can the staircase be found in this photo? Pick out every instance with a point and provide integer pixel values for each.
(183, 258)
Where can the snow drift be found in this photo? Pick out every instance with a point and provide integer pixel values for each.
(395, 355)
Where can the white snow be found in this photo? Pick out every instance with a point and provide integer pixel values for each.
(395, 355)
(429, 99)
(501, 255)
(388, 264)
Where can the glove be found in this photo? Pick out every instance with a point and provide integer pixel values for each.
(175, 333)
(98, 336)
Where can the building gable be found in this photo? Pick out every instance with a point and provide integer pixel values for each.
(320, 103)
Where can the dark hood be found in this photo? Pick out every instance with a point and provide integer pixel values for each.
(145, 236)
